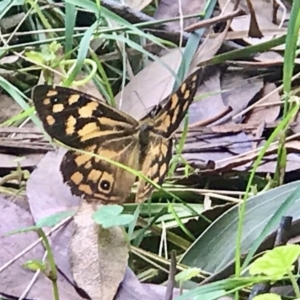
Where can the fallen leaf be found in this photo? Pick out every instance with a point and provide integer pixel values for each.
(212, 102)
(263, 15)
(154, 83)
(168, 9)
(11, 161)
(240, 89)
(98, 256)
(245, 161)
(266, 114)
(47, 196)
(137, 4)
(14, 278)
(9, 108)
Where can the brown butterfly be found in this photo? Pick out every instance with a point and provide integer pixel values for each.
(81, 121)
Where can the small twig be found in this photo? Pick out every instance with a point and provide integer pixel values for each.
(214, 20)
(223, 113)
(171, 279)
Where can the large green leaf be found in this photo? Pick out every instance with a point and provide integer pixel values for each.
(215, 248)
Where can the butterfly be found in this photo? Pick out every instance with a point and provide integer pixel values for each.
(81, 121)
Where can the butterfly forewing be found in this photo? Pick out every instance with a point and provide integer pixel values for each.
(170, 117)
(78, 119)
(83, 122)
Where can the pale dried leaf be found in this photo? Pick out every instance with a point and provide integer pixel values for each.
(11, 161)
(8, 108)
(168, 9)
(263, 11)
(48, 195)
(269, 162)
(232, 90)
(15, 279)
(212, 102)
(9, 59)
(98, 256)
(46, 183)
(149, 86)
(240, 90)
(266, 114)
(11, 21)
(269, 57)
(154, 83)
(216, 147)
(137, 4)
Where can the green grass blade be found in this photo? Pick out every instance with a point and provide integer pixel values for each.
(70, 18)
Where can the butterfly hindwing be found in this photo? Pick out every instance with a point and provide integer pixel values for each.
(154, 166)
(96, 179)
(78, 119)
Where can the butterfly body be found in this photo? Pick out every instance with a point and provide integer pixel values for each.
(81, 121)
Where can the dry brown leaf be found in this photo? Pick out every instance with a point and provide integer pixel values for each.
(245, 161)
(214, 147)
(270, 163)
(269, 57)
(266, 114)
(150, 85)
(11, 21)
(9, 59)
(168, 9)
(8, 108)
(15, 279)
(137, 4)
(154, 83)
(48, 195)
(98, 256)
(46, 183)
(232, 90)
(11, 161)
(240, 90)
(263, 12)
(212, 102)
